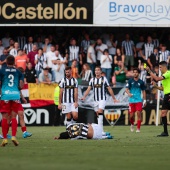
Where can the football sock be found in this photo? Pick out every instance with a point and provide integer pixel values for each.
(164, 121)
(100, 120)
(14, 126)
(4, 125)
(138, 124)
(24, 129)
(132, 121)
(74, 120)
(68, 122)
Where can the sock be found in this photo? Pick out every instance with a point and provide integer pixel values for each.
(4, 125)
(14, 126)
(74, 120)
(100, 120)
(138, 124)
(164, 121)
(24, 129)
(132, 121)
(68, 122)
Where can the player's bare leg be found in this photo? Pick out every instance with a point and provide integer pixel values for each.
(75, 117)
(68, 115)
(131, 119)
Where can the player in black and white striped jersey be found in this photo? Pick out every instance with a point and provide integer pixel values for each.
(99, 85)
(147, 48)
(165, 53)
(68, 99)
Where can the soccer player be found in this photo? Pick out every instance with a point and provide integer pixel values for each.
(165, 78)
(68, 98)
(99, 85)
(83, 131)
(11, 79)
(134, 88)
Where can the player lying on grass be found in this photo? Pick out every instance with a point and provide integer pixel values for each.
(83, 131)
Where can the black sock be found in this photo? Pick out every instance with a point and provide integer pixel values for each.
(164, 121)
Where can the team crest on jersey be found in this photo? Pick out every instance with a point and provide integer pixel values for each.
(112, 116)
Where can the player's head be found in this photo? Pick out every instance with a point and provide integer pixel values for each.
(136, 72)
(163, 66)
(64, 135)
(98, 71)
(68, 72)
(10, 61)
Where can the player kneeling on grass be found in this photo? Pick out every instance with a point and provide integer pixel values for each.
(83, 131)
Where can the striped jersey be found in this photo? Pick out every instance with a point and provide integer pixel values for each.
(99, 87)
(165, 55)
(148, 49)
(128, 47)
(77, 130)
(68, 85)
(28, 47)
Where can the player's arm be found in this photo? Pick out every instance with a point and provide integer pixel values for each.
(86, 93)
(60, 97)
(144, 98)
(156, 86)
(128, 92)
(112, 94)
(76, 97)
(22, 97)
(156, 78)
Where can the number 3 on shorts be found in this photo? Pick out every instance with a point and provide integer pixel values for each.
(11, 80)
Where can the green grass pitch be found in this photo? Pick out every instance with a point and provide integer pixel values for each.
(127, 151)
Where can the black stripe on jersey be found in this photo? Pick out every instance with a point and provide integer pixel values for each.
(70, 91)
(97, 90)
(65, 92)
(102, 88)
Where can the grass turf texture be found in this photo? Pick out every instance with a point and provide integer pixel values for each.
(126, 151)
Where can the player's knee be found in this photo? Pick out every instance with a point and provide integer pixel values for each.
(75, 117)
(163, 113)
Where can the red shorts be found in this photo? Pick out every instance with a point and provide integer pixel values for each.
(133, 107)
(8, 106)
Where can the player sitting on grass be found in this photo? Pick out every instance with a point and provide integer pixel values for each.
(83, 131)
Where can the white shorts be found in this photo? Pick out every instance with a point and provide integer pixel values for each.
(99, 105)
(97, 130)
(68, 107)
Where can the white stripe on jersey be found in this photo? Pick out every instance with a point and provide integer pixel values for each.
(69, 85)
(164, 54)
(128, 46)
(99, 87)
(148, 47)
(28, 48)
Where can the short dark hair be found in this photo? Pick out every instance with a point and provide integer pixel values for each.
(136, 69)
(10, 60)
(68, 68)
(163, 63)
(64, 135)
(98, 67)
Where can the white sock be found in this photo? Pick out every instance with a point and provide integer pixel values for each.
(100, 121)
(104, 137)
(68, 122)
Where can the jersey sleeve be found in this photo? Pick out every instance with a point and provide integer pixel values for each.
(166, 75)
(91, 82)
(21, 76)
(106, 82)
(76, 83)
(61, 85)
(128, 84)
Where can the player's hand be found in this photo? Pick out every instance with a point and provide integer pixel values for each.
(116, 101)
(153, 83)
(83, 98)
(24, 100)
(130, 95)
(75, 105)
(59, 107)
(147, 68)
(144, 103)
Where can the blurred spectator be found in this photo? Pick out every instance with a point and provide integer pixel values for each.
(85, 43)
(46, 46)
(1, 48)
(45, 77)
(21, 60)
(147, 48)
(155, 40)
(86, 74)
(38, 42)
(138, 48)
(74, 53)
(120, 73)
(167, 43)
(31, 55)
(143, 72)
(100, 49)
(153, 59)
(106, 64)
(5, 40)
(119, 57)
(29, 46)
(128, 48)
(30, 74)
(40, 61)
(21, 39)
(91, 55)
(112, 44)
(58, 70)
(74, 69)
(14, 50)
(3, 58)
(11, 45)
(164, 54)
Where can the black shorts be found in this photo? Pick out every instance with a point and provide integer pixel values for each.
(166, 102)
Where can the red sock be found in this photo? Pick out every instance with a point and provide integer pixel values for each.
(24, 129)
(4, 125)
(132, 121)
(14, 126)
(138, 124)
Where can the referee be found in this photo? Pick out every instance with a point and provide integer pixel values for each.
(165, 78)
